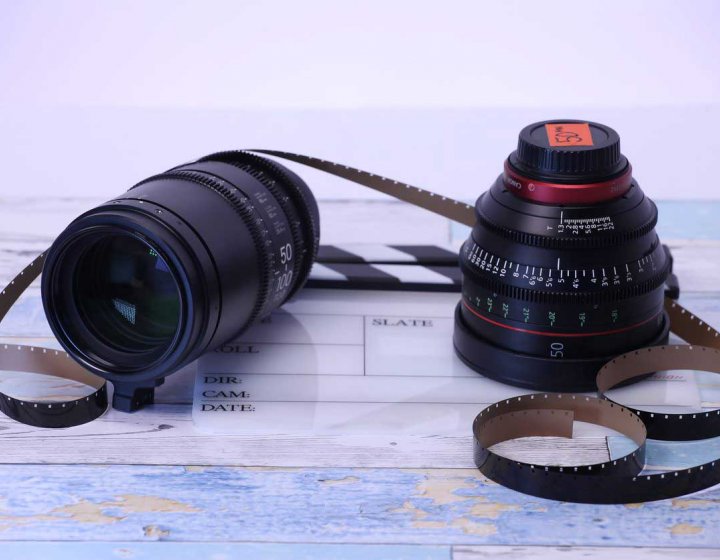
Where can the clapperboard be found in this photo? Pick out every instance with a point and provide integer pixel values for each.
(386, 267)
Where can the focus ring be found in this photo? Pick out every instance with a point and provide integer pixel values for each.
(287, 207)
(538, 296)
(306, 227)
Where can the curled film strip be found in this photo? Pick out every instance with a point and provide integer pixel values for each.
(617, 481)
(446, 207)
(47, 361)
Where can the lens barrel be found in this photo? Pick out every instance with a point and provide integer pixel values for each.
(563, 270)
(181, 263)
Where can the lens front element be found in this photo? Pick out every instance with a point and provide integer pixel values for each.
(126, 294)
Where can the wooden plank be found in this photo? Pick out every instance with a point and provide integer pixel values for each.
(306, 551)
(380, 506)
(219, 551)
(688, 219)
(164, 434)
(580, 552)
(696, 264)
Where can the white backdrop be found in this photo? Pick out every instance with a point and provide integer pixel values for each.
(96, 95)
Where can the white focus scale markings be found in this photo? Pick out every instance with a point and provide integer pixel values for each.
(567, 278)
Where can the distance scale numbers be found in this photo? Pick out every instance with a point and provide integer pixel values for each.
(559, 278)
(584, 226)
(357, 362)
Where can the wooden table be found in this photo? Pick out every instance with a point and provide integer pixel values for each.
(147, 485)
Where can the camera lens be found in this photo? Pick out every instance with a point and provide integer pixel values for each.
(563, 269)
(179, 264)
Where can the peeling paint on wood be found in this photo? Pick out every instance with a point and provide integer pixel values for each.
(580, 553)
(683, 529)
(217, 551)
(230, 504)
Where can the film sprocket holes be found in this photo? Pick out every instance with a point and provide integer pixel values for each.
(187, 259)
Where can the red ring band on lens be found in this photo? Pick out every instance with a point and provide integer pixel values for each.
(479, 315)
(556, 193)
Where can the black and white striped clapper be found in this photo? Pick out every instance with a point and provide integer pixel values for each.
(386, 267)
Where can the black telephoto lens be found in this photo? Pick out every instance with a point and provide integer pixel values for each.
(563, 270)
(181, 263)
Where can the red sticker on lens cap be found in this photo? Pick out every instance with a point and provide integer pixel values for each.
(569, 134)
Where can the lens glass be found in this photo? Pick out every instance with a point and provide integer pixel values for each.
(126, 294)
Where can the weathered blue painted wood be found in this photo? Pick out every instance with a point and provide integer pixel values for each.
(300, 551)
(228, 551)
(688, 219)
(130, 503)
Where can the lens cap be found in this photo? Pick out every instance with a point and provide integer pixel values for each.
(578, 151)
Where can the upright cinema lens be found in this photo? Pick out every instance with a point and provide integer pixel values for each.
(563, 270)
(181, 263)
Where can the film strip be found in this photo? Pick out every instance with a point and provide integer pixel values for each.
(617, 481)
(47, 361)
(446, 207)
